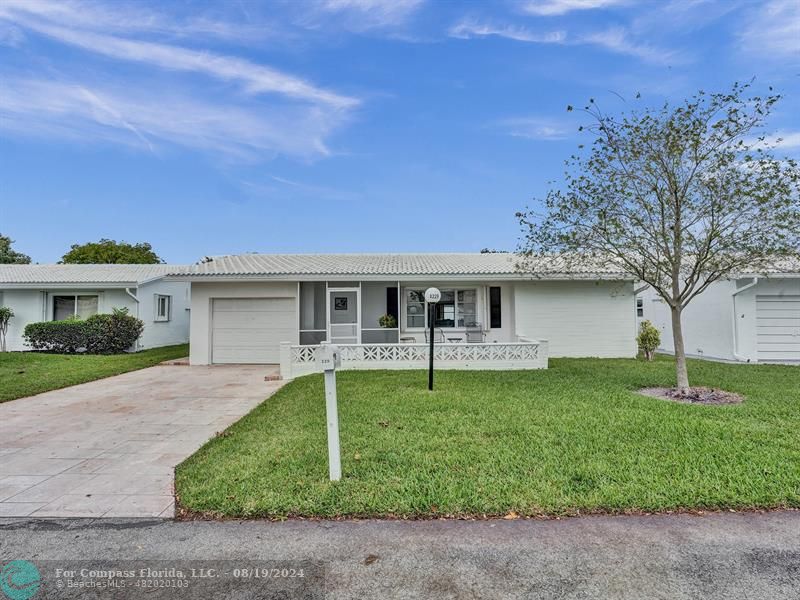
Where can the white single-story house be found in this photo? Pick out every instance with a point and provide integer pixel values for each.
(244, 307)
(53, 292)
(752, 317)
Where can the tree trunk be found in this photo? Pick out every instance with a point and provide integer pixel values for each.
(680, 353)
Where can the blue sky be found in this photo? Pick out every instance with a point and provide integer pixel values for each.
(338, 125)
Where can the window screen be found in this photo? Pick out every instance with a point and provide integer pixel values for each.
(63, 307)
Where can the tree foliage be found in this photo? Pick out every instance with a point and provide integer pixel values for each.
(111, 252)
(9, 256)
(678, 196)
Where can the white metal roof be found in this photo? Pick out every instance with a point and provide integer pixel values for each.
(82, 274)
(378, 265)
(781, 266)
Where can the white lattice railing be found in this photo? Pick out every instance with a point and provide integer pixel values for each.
(301, 360)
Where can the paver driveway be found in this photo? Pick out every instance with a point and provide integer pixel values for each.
(109, 447)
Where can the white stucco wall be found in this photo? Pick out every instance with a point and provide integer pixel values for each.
(578, 318)
(34, 305)
(164, 333)
(708, 320)
(202, 295)
(27, 307)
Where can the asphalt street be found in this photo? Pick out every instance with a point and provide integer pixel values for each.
(730, 556)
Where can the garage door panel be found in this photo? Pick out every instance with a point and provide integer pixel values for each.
(781, 342)
(251, 320)
(768, 314)
(783, 347)
(767, 324)
(251, 337)
(243, 356)
(250, 330)
(778, 328)
(253, 304)
(778, 298)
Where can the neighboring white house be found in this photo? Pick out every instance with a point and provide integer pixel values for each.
(245, 306)
(749, 318)
(54, 292)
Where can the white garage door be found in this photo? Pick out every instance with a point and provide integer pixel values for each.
(250, 330)
(778, 333)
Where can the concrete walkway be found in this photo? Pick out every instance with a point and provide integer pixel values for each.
(109, 447)
(743, 556)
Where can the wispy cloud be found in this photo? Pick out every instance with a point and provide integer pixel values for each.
(292, 188)
(549, 8)
(773, 30)
(361, 15)
(533, 128)
(672, 17)
(617, 39)
(469, 28)
(85, 113)
(254, 77)
(783, 140)
(266, 111)
(124, 17)
(384, 18)
(11, 35)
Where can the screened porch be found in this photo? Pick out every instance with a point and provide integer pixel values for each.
(391, 312)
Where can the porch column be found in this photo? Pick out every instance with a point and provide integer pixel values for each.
(286, 360)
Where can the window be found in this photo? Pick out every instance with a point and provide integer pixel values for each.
(66, 307)
(415, 308)
(639, 307)
(163, 307)
(457, 308)
(445, 312)
(465, 307)
(495, 322)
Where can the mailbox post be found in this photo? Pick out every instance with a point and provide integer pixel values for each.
(328, 358)
(432, 296)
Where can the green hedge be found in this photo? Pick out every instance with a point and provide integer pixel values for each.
(99, 334)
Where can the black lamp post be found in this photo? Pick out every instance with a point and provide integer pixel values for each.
(432, 296)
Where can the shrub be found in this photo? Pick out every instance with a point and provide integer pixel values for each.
(387, 321)
(112, 334)
(99, 334)
(62, 337)
(5, 316)
(649, 339)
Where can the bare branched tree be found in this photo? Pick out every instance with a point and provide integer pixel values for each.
(678, 197)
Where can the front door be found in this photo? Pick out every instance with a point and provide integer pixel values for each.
(343, 316)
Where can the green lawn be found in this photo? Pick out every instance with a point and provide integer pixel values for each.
(573, 438)
(27, 373)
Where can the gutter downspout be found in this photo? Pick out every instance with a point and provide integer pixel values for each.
(736, 354)
(136, 300)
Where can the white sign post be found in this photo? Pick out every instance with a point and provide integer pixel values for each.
(328, 358)
(432, 296)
